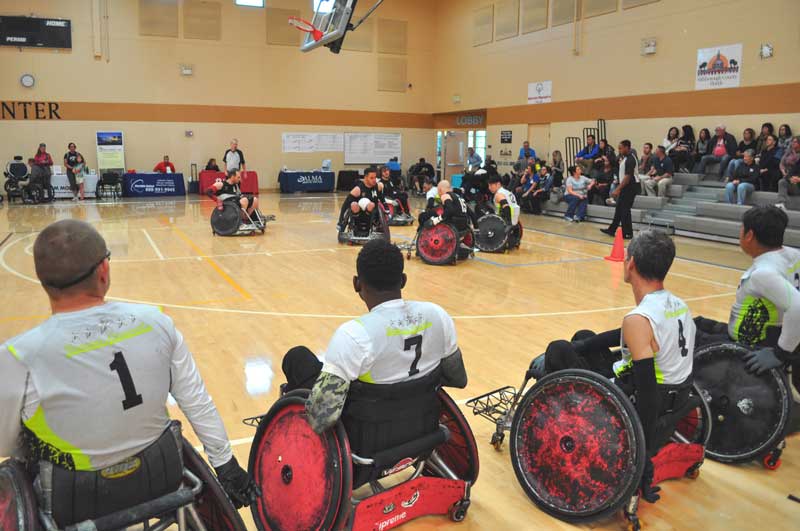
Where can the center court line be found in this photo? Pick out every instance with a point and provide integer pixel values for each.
(264, 313)
(153, 244)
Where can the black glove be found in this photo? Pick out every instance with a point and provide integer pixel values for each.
(237, 484)
(649, 491)
(761, 360)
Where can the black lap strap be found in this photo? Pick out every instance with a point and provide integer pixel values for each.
(413, 449)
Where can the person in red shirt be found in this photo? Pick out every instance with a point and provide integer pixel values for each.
(41, 169)
(165, 166)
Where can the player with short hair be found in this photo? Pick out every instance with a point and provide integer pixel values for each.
(362, 200)
(454, 209)
(87, 389)
(504, 202)
(390, 191)
(397, 341)
(228, 190)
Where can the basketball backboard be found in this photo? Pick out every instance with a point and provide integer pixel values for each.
(331, 18)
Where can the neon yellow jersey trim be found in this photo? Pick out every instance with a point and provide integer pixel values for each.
(74, 350)
(38, 425)
(14, 352)
(366, 378)
(676, 313)
(659, 372)
(391, 332)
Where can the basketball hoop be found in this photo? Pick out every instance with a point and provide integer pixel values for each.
(306, 26)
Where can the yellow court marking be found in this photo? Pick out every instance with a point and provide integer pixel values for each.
(201, 254)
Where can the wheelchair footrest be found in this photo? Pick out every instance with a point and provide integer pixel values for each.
(493, 405)
(677, 460)
(419, 497)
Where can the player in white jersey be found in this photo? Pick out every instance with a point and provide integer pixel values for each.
(767, 308)
(397, 341)
(87, 389)
(656, 339)
(504, 202)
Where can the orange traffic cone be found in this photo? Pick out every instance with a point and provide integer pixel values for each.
(618, 250)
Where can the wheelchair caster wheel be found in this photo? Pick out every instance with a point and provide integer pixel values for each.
(694, 471)
(459, 511)
(772, 461)
(497, 440)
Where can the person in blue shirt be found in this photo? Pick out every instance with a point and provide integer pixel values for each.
(585, 157)
(393, 165)
(527, 152)
(474, 161)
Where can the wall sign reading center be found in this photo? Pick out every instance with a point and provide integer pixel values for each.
(29, 110)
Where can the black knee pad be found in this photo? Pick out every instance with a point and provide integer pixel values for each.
(580, 335)
(562, 355)
(301, 368)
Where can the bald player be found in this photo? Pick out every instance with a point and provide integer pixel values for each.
(454, 209)
(87, 389)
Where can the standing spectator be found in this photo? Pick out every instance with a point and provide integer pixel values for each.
(761, 142)
(789, 185)
(744, 180)
(234, 158)
(671, 140)
(625, 193)
(769, 165)
(526, 151)
(41, 169)
(784, 139)
(474, 160)
(211, 165)
(585, 157)
(748, 142)
(722, 151)
(660, 174)
(557, 169)
(681, 154)
(702, 148)
(645, 165)
(70, 159)
(165, 166)
(578, 185)
(790, 157)
(79, 171)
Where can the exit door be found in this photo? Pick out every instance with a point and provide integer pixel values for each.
(455, 153)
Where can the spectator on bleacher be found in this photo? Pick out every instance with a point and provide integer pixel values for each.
(557, 169)
(748, 142)
(681, 154)
(761, 142)
(790, 157)
(602, 185)
(585, 157)
(645, 165)
(660, 174)
(769, 165)
(578, 186)
(165, 166)
(211, 165)
(723, 150)
(526, 151)
(671, 140)
(474, 160)
(605, 155)
(702, 147)
(744, 180)
(784, 138)
(789, 185)
(535, 190)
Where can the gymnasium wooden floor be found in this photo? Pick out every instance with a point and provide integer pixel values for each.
(242, 302)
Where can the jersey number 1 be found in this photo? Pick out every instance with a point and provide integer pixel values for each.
(416, 343)
(120, 366)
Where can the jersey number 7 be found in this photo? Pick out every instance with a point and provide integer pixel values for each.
(416, 343)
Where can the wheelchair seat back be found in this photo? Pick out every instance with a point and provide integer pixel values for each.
(110, 178)
(389, 422)
(17, 170)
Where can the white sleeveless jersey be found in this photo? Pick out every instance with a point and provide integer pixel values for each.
(674, 331)
(397, 341)
(512, 202)
(766, 290)
(95, 384)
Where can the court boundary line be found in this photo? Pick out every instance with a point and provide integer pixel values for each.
(153, 244)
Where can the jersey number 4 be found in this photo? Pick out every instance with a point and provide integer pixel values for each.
(682, 340)
(120, 366)
(415, 343)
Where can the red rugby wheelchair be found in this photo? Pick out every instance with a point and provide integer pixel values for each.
(577, 446)
(332, 481)
(198, 504)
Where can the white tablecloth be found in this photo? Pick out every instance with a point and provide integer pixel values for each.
(60, 185)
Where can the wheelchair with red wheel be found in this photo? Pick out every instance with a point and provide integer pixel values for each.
(360, 228)
(442, 243)
(750, 413)
(190, 495)
(577, 445)
(411, 434)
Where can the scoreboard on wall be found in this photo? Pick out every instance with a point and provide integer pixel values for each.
(35, 32)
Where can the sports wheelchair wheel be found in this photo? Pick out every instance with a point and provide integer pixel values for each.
(695, 427)
(305, 478)
(491, 234)
(577, 446)
(437, 245)
(213, 506)
(459, 453)
(32, 194)
(749, 412)
(17, 501)
(382, 223)
(226, 222)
